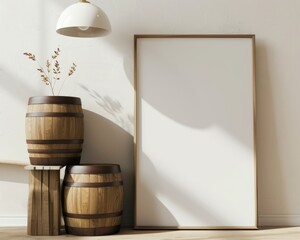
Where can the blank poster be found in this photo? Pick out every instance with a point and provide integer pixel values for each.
(195, 162)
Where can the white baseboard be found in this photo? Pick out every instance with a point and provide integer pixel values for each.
(13, 221)
(279, 220)
(263, 221)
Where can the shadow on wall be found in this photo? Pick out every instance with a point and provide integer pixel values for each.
(106, 142)
(269, 165)
(113, 108)
(13, 173)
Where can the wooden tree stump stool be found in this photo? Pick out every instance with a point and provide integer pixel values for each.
(44, 200)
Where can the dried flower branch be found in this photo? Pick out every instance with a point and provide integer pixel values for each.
(30, 56)
(72, 69)
(52, 73)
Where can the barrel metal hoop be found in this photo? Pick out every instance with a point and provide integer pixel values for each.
(54, 100)
(54, 161)
(94, 169)
(92, 216)
(92, 231)
(46, 151)
(93, 185)
(55, 141)
(55, 114)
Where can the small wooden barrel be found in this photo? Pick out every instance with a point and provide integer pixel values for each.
(54, 130)
(92, 199)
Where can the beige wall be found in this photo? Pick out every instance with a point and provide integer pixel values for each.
(104, 83)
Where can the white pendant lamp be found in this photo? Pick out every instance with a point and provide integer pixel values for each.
(83, 19)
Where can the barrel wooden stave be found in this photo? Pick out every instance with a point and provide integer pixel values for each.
(108, 196)
(54, 135)
(54, 128)
(93, 210)
(94, 223)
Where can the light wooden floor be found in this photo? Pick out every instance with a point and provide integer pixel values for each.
(292, 233)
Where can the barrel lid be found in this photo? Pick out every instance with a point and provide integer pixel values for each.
(93, 168)
(54, 100)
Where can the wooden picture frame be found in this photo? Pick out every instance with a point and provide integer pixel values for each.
(195, 153)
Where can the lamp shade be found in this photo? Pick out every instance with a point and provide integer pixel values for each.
(83, 19)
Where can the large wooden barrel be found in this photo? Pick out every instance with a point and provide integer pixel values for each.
(54, 130)
(92, 199)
